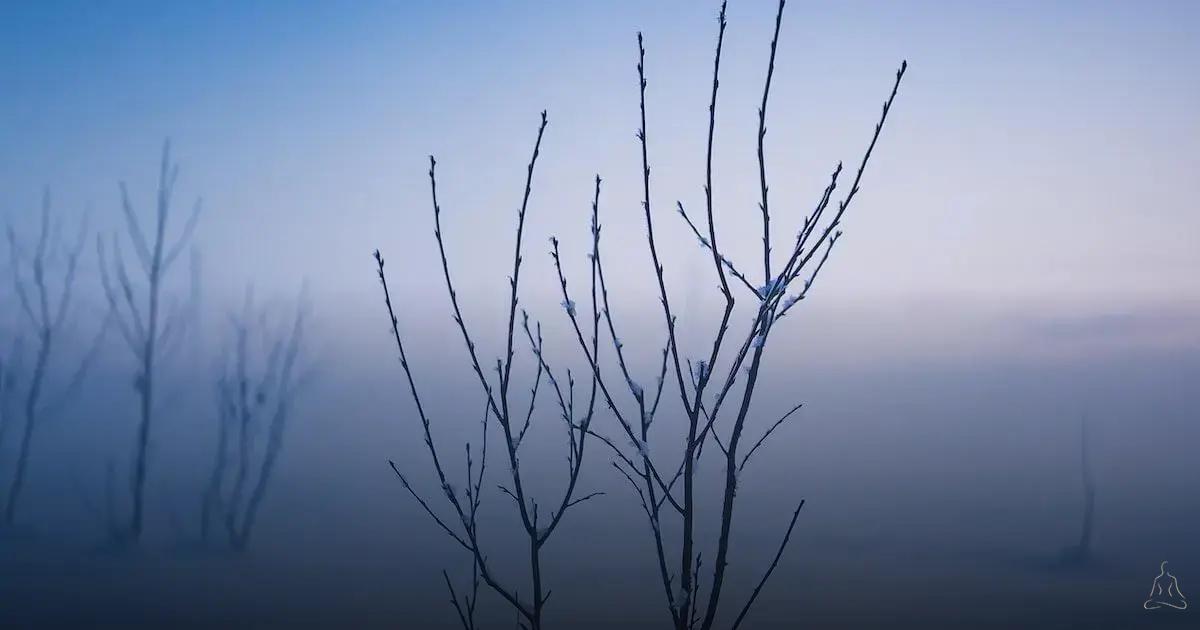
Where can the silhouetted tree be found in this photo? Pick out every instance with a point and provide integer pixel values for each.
(538, 526)
(150, 333)
(46, 308)
(255, 395)
(706, 383)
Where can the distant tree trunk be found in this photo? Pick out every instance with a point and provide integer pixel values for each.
(245, 388)
(8, 379)
(31, 403)
(211, 502)
(1089, 494)
(146, 336)
(146, 394)
(46, 314)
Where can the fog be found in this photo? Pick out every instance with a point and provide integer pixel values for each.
(937, 488)
(997, 367)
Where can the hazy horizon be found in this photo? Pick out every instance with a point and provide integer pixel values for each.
(1021, 260)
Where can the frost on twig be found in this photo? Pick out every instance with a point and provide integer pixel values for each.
(716, 390)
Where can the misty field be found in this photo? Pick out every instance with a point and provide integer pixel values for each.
(592, 315)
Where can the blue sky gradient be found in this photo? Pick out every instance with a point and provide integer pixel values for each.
(1040, 159)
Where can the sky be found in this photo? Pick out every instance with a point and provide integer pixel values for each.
(1023, 252)
(1039, 157)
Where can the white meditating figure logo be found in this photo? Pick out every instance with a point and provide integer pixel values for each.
(1165, 591)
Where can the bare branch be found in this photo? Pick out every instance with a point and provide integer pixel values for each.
(110, 295)
(766, 435)
(762, 134)
(723, 263)
(134, 229)
(658, 268)
(184, 237)
(462, 616)
(774, 562)
(428, 510)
